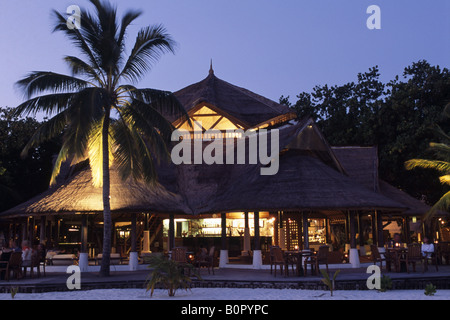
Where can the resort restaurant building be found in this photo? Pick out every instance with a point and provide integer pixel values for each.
(317, 194)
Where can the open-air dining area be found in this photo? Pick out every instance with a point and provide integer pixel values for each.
(294, 145)
(325, 209)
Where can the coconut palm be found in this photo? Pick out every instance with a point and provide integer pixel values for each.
(441, 164)
(101, 115)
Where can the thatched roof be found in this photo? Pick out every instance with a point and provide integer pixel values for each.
(306, 180)
(77, 194)
(415, 206)
(247, 106)
(361, 164)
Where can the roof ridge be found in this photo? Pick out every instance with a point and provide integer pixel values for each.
(253, 95)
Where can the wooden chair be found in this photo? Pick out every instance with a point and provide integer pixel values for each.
(443, 251)
(206, 261)
(33, 264)
(179, 254)
(15, 265)
(4, 264)
(276, 258)
(413, 256)
(376, 257)
(42, 263)
(315, 260)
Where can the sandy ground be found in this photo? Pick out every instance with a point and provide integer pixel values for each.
(231, 294)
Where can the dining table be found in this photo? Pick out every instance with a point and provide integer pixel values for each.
(395, 254)
(296, 257)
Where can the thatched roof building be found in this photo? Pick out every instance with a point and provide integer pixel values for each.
(361, 164)
(309, 178)
(311, 175)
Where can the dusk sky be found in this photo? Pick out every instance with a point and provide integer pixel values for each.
(270, 47)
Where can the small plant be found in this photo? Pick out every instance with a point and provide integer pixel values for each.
(430, 289)
(385, 283)
(170, 274)
(14, 291)
(329, 282)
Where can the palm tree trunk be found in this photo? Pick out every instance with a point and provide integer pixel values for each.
(107, 221)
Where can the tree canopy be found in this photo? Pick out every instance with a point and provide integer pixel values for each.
(399, 117)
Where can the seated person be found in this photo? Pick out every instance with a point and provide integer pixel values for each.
(26, 254)
(427, 248)
(396, 242)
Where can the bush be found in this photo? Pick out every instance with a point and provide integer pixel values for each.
(430, 289)
(170, 274)
(385, 283)
(329, 282)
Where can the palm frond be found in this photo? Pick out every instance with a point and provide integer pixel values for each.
(62, 156)
(440, 150)
(84, 113)
(79, 67)
(53, 103)
(438, 130)
(446, 111)
(163, 101)
(48, 130)
(445, 179)
(154, 126)
(443, 204)
(151, 43)
(77, 36)
(38, 82)
(95, 153)
(127, 19)
(132, 156)
(441, 166)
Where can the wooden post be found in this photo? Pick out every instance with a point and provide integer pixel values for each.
(360, 229)
(379, 222)
(257, 238)
(224, 230)
(305, 230)
(373, 219)
(299, 232)
(224, 251)
(407, 230)
(42, 233)
(257, 255)
(84, 233)
(327, 230)
(133, 234)
(352, 223)
(288, 234)
(246, 245)
(171, 232)
(275, 241)
(31, 230)
(353, 252)
(133, 258)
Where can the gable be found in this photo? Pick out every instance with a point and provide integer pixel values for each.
(207, 117)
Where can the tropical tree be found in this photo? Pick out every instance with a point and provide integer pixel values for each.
(441, 164)
(99, 112)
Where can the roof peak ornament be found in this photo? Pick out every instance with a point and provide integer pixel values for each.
(211, 70)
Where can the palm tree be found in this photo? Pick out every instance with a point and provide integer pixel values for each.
(442, 165)
(100, 116)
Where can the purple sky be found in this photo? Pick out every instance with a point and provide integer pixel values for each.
(271, 47)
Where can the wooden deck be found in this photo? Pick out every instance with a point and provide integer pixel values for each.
(348, 279)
